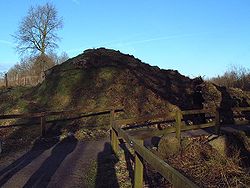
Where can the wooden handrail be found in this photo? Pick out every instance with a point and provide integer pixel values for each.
(166, 117)
(54, 113)
(241, 109)
(168, 172)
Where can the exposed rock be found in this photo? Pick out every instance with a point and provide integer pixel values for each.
(220, 144)
(168, 146)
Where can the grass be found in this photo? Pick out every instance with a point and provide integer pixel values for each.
(207, 168)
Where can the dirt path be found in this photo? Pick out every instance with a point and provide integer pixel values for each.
(53, 164)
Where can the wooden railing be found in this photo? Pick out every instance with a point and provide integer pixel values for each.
(142, 153)
(43, 116)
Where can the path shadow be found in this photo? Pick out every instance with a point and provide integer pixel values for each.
(43, 175)
(38, 148)
(106, 175)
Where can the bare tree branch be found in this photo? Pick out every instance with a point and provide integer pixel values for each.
(37, 31)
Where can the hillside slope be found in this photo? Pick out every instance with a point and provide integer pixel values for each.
(104, 78)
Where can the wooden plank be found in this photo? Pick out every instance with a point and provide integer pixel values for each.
(26, 115)
(114, 140)
(138, 172)
(241, 109)
(199, 111)
(166, 117)
(178, 124)
(65, 112)
(144, 134)
(43, 126)
(217, 122)
(168, 172)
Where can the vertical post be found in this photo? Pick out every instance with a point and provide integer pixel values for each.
(43, 125)
(112, 118)
(138, 173)
(6, 80)
(113, 133)
(114, 140)
(178, 117)
(1, 146)
(217, 121)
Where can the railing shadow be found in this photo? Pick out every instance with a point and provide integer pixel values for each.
(106, 174)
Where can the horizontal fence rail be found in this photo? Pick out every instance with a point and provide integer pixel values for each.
(42, 116)
(142, 153)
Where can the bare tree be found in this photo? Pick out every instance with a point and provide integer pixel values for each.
(37, 31)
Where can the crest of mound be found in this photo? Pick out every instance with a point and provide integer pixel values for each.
(103, 78)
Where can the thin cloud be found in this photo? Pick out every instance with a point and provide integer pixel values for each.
(158, 39)
(122, 43)
(6, 42)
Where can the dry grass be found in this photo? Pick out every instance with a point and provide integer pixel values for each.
(203, 165)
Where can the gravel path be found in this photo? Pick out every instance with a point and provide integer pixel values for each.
(52, 164)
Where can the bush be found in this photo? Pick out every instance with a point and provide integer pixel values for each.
(235, 76)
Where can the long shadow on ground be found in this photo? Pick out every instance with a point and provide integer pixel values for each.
(38, 148)
(43, 175)
(106, 175)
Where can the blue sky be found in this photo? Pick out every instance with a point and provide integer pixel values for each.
(196, 37)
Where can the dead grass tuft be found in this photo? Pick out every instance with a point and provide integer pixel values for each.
(207, 168)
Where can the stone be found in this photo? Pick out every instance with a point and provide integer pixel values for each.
(168, 146)
(219, 144)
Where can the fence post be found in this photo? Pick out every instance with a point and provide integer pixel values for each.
(1, 146)
(178, 117)
(43, 125)
(138, 173)
(6, 80)
(113, 133)
(114, 140)
(217, 121)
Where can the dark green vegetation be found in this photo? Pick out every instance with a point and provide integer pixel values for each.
(102, 78)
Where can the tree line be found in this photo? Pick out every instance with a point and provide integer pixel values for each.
(30, 70)
(36, 40)
(235, 76)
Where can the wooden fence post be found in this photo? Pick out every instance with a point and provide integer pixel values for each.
(43, 125)
(112, 118)
(217, 121)
(114, 140)
(113, 133)
(138, 171)
(178, 117)
(1, 146)
(6, 80)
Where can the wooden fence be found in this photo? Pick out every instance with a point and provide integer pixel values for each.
(43, 117)
(142, 153)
